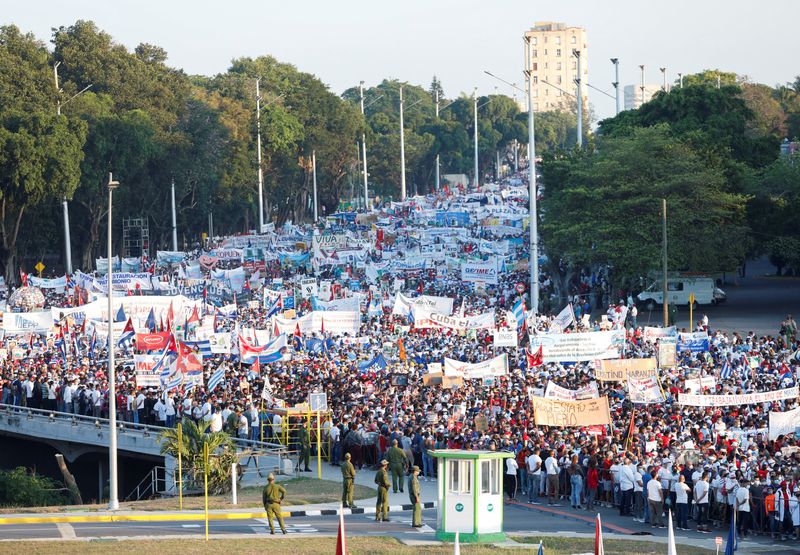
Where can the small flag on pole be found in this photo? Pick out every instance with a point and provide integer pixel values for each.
(341, 542)
(598, 537)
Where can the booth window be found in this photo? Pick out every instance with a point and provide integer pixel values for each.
(490, 476)
(460, 476)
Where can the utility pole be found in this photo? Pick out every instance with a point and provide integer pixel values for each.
(641, 88)
(475, 133)
(533, 246)
(680, 80)
(258, 147)
(364, 147)
(210, 225)
(113, 497)
(314, 178)
(615, 61)
(174, 219)
(516, 156)
(579, 97)
(402, 152)
(436, 188)
(664, 261)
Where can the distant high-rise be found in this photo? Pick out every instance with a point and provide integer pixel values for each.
(554, 67)
(634, 97)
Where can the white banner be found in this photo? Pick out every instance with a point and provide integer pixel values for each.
(440, 321)
(732, 400)
(27, 322)
(335, 323)
(697, 385)
(554, 391)
(782, 423)
(308, 287)
(44, 283)
(497, 366)
(221, 343)
(350, 304)
(505, 338)
(403, 304)
(145, 376)
(480, 271)
(644, 391)
(577, 347)
(653, 333)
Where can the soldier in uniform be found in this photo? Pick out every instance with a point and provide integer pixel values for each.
(413, 494)
(348, 477)
(272, 497)
(397, 461)
(382, 504)
(305, 448)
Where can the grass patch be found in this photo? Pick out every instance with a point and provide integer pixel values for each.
(300, 491)
(357, 545)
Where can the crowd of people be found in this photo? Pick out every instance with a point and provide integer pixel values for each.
(703, 463)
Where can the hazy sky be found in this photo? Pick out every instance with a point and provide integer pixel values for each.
(345, 41)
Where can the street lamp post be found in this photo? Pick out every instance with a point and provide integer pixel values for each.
(680, 80)
(475, 133)
(663, 78)
(579, 97)
(615, 61)
(532, 209)
(113, 499)
(174, 218)
(402, 152)
(641, 87)
(436, 188)
(364, 146)
(258, 147)
(314, 179)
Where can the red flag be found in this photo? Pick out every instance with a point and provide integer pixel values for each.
(598, 537)
(297, 330)
(256, 367)
(276, 331)
(194, 317)
(23, 277)
(170, 316)
(341, 541)
(322, 327)
(535, 359)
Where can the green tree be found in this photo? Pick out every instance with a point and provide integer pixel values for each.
(603, 208)
(221, 449)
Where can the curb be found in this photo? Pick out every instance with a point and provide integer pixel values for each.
(156, 517)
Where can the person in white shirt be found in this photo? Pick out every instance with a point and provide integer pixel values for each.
(336, 445)
(243, 430)
(170, 406)
(682, 490)
(161, 412)
(655, 501)
(534, 466)
(216, 422)
(139, 416)
(701, 491)
(742, 500)
(627, 479)
(96, 400)
(206, 412)
(67, 397)
(511, 477)
(551, 467)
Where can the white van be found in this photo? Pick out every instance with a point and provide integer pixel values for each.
(678, 291)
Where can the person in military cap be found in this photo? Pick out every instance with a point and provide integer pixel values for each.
(413, 494)
(305, 448)
(382, 504)
(272, 497)
(397, 462)
(348, 478)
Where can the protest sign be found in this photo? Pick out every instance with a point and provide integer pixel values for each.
(653, 333)
(697, 385)
(575, 347)
(505, 338)
(480, 271)
(782, 423)
(145, 375)
(497, 366)
(554, 391)
(27, 322)
(435, 320)
(555, 412)
(695, 342)
(644, 390)
(691, 400)
(619, 370)
(667, 353)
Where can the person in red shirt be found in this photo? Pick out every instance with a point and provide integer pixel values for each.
(592, 483)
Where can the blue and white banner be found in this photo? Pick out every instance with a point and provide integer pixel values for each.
(170, 257)
(44, 283)
(695, 342)
(480, 271)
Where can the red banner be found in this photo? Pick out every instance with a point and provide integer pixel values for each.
(152, 341)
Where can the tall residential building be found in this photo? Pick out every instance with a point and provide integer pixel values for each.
(635, 97)
(554, 66)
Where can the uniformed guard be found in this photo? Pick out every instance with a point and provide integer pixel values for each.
(413, 494)
(382, 504)
(397, 462)
(305, 448)
(348, 478)
(272, 497)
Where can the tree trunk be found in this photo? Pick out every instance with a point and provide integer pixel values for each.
(69, 480)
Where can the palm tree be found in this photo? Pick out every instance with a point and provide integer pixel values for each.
(221, 449)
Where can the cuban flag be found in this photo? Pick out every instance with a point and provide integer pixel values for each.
(275, 307)
(175, 382)
(167, 362)
(203, 347)
(519, 313)
(786, 372)
(215, 379)
(271, 352)
(128, 334)
(92, 344)
(726, 372)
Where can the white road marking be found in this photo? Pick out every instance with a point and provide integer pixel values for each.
(66, 530)
(190, 525)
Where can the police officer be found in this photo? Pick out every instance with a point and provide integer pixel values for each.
(397, 462)
(413, 494)
(271, 498)
(348, 478)
(382, 504)
(305, 448)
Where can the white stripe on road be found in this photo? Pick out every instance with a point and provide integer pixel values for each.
(66, 530)
(190, 525)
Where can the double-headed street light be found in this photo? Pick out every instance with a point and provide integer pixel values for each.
(113, 498)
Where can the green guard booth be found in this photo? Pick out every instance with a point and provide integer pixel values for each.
(470, 499)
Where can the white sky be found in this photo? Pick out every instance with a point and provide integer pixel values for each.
(345, 41)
